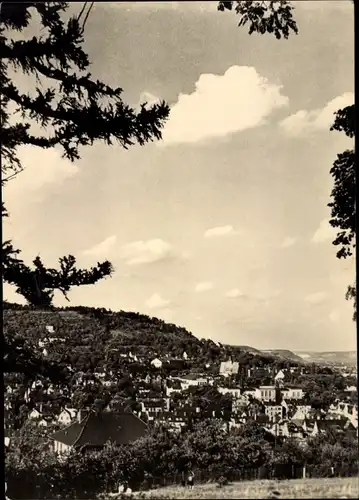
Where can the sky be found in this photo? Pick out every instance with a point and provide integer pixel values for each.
(221, 227)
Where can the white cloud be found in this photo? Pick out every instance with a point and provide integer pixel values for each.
(239, 99)
(304, 121)
(219, 231)
(144, 252)
(102, 249)
(288, 242)
(156, 301)
(316, 298)
(204, 286)
(325, 232)
(44, 170)
(234, 294)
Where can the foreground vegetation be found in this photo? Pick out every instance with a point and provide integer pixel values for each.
(160, 458)
(296, 488)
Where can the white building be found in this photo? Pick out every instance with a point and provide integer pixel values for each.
(236, 393)
(37, 416)
(228, 368)
(302, 412)
(266, 393)
(276, 411)
(193, 380)
(292, 393)
(157, 363)
(67, 416)
(351, 388)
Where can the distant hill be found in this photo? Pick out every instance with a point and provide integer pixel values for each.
(247, 348)
(329, 357)
(285, 354)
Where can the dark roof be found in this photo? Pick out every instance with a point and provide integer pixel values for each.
(96, 429)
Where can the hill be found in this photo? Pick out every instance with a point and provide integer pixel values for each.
(329, 357)
(96, 337)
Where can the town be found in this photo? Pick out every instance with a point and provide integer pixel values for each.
(289, 400)
(196, 162)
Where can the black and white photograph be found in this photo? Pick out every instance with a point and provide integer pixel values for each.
(178, 191)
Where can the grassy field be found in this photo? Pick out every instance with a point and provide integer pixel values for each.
(295, 488)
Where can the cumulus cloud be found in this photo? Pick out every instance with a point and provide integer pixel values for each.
(156, 301)
(219, 231)
(316, 298)
(304, 121)
(101, 249)
(325, 232)
(145, 252)
(238, 100)
(234, 293)
(204, 286)
(288, 242)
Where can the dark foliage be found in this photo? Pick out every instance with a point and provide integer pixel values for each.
(343, 204)
(274, 17)
(212, 453)
(72, 109)
(37, 285)
(75, 108)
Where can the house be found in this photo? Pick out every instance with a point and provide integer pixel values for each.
(351, 388)
(93, 431)
(266, 393)
(157, 363)
(345, 410)
(275, 411)
(343, 425)
(292, 392)
(279, 377)
(191, 380)
(236, 393)
(67, 416)
(286, 428)
(228, 368)
(41, 417)
(301, 412)
(153, 408)
(322, 426)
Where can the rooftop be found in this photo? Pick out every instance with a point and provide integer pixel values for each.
(96, 429)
